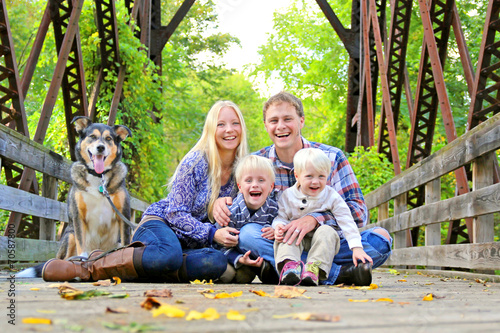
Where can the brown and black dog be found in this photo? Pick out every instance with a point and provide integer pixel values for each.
(92, 222)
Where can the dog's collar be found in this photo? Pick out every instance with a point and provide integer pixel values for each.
(93, 173)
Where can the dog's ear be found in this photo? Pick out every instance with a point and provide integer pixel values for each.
(81, 123)
(122, 131)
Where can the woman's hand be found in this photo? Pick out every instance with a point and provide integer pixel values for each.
(359, 254)
(245, 260)
(297, 229)
(221, 211)
(227, 237)
(268, 233)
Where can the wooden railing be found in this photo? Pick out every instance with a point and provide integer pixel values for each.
(477, 147)
(16, 147)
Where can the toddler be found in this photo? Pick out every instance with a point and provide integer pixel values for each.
(311, 195)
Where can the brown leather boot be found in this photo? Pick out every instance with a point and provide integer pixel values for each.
(125, 263)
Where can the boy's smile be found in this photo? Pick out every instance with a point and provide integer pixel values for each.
(311, 181)
(255, 186)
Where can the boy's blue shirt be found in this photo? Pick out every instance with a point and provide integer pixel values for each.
(240, 215)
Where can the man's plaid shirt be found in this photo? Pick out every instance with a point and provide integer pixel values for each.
(341, 178)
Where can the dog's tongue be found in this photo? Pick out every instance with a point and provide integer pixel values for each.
(98, 163)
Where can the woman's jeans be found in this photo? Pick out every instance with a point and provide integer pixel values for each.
(163, 254)
(375, 245)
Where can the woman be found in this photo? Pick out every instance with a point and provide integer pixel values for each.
(173, 241)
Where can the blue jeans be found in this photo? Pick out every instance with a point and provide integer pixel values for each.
(375, 245)
(163, 254)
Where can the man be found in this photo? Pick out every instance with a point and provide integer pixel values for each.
(283, 120)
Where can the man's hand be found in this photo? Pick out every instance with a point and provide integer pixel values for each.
(297, 229)
(221, 211)
(227, 237)
(267, 233)
(359, 254)
(245, 260)
(279, 232)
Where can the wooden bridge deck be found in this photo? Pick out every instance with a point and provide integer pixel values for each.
(459, 305)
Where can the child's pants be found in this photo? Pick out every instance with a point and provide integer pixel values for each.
(322, 244)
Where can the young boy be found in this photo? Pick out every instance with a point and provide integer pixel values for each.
(255, 178)
(310, 194)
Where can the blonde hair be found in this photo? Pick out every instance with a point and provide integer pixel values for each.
(254, 162)
(313, 157)
(208, 146)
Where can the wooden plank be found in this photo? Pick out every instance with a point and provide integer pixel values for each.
(476, 203)
(482, 176)
(471, 256)
(48, 226)
(383, 211)
(400, 206)
(137, 204)
(482, 139)
(433, 194)
(21, 149)
(433, 231)
(27, 249)
(15, 200)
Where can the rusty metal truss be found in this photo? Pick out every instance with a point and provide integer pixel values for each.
(69, 77)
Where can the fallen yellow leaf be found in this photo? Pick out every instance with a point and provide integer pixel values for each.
(201, 282)
(289, 292)
(428, 297)
(402, 280)
(235, 315)
(169, 311)
(260, 293)
(358, 300)
(116, 280)
(35, 289)
(370, 287)
(72, 294)
(384, 300)
(209, 314)
(223, 295)
(32, 320)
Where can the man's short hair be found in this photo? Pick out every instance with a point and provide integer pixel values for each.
(284, 97)
(314, 157)
(254, 162)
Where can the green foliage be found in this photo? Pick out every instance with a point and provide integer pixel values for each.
(372, 169)
(305, 53)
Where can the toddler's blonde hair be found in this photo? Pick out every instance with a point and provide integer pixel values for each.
(254, 162)
(313, 157)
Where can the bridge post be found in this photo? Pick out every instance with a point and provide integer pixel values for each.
(482, 176)
(433, 231)
(400, 206)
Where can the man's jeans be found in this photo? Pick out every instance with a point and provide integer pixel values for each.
(374, 244)
(164, 254)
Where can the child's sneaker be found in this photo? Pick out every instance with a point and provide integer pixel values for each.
(291, 273)
(310, 274)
